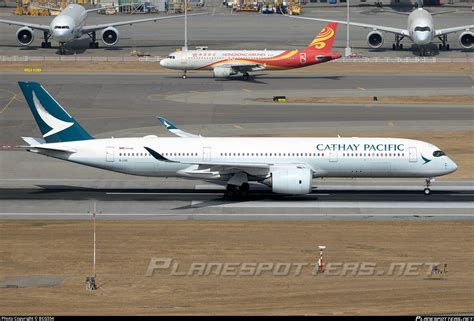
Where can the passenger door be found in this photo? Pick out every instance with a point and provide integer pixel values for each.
(206, 154)
(109, 154)
(302, 58)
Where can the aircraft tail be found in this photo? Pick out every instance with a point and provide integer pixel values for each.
(325, 38)
(55, 124)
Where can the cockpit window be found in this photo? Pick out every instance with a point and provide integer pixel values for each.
(61, 27)
(170, 57)
(438, 153)
(422, 29)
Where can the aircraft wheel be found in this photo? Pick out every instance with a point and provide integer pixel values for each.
(246, 76)
(244, 190)
(427, 191)
(184, 76)
(401, 46)
(447, 46)
(393, 46)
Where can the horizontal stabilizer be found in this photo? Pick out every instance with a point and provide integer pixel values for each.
(32, 141)
(45, 148)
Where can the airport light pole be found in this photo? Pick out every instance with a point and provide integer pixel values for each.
(186, 26)
(348, 50)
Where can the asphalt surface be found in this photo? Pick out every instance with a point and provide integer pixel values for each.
(126, 104)
(37, 187)
(222, 30)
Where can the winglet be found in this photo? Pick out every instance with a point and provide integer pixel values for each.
(157, 155)
(169, 125)
(175, 130)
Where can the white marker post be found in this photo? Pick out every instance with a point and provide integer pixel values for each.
(321, 261)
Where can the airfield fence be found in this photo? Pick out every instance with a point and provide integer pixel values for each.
(158, 58)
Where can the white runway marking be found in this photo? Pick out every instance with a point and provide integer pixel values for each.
(318, 204)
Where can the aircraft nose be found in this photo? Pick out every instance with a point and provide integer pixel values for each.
(422, 38)
(162, 63)
(62, 35)
(451, 166)
(336, 56)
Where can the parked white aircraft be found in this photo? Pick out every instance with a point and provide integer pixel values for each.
(287, 165)
(70, 25)
(420, 30)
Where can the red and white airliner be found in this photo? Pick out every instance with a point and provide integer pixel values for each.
(225, 63)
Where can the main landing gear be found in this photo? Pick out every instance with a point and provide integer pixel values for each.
(46, 43)
(184, 75)
(428, 181)
(246, 76)
(397, 45)
(234, 191)
(444, 45)
(237, 186)
(93, 44)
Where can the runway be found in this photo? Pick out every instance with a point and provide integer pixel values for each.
(368, 199)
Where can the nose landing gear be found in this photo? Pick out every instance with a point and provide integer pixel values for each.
(62, 49)
(428, 181)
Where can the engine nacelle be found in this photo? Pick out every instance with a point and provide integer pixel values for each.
(465, 39)
(291, 181)
(25, 36)
(110, 36)
(375, 39)
(222, 72)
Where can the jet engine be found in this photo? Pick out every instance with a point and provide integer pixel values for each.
(110, 36)
(291, 181)
(375, 39)
(465, 39)
(222, 72)
(25, 36)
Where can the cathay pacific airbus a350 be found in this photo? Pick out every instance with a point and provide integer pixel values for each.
(286, 165)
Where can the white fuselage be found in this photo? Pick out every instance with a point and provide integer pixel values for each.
(420, 27)
(209, 59)
(68, 24)
(326, 157)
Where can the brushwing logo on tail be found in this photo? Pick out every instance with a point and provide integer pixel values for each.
(325, 34)
(55, 124)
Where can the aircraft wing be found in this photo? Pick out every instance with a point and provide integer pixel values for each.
(26, 24)
(242, 165)
(243, 66)
(87, 29)
(47, 8)
(445, 31)
(397, 31)
(175, 130)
